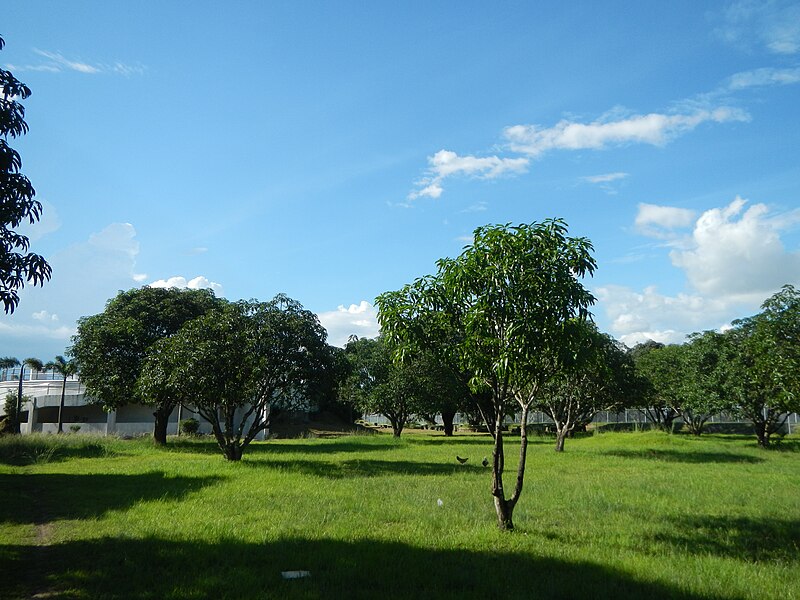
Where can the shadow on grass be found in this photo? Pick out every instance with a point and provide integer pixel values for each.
(207, 445)
(36, 449)
(689, 456)
(745, 538)
(157, 568)
(366, 468)
(41, 498)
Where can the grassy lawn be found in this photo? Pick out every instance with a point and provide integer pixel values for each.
(624, 515)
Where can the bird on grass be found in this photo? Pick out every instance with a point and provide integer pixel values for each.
(485, 462)
(461, 460)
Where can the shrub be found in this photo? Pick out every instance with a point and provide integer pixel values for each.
(190, 426)
(74, 428)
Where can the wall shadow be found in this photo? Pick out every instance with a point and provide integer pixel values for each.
(157, 568)
(690, 456)
(42, 498)
(747, 538)
(353, 469)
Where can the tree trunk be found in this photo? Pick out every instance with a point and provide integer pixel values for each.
(397, 429)
(561, 435)
(447, 420)
(18, 419)
(505, 513)
(233, 451)
(160, 426)
(503, 508)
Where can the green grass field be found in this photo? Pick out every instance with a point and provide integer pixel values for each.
(624, 515)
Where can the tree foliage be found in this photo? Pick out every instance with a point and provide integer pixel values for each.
(762, 363)
(507, 299)
(396, 389)
(660, 367)
(17, 204)
(596, 373)
(109, 347)
(237, 363)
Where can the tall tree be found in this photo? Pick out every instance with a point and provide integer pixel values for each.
(109, 347)
(17, 204)
(65, 368)
(510, 295)
(703, 369)
(238, 362)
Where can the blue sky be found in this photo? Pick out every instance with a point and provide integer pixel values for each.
(333, 151)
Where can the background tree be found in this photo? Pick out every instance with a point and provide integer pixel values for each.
(109, 347)
(595, 373)
(703, 359)
(660, 366)
(17, 205)
(65, 368)
(762, 364)
(509, 295)
(396, 389)
(236, 363)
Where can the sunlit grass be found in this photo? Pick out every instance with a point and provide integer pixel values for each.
(622, 515)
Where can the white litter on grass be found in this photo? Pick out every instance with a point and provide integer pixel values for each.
(439, 502)
(295, 574)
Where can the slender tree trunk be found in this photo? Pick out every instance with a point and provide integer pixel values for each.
(397, 427)
(160, 426)
(447, 419)
(61, 406)
(504, 509)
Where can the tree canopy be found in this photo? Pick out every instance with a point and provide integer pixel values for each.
(508, 300)
(109, 347)
(17, 204)
(236, 363)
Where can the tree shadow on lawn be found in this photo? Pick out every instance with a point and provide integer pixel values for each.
(150, 568)
(689, 456)
(367, 468)
(744, 538)
(41, 498)
(208, 445)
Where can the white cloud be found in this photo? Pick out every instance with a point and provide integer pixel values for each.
(477, 207)
(446, 163)
(606, 178)
(738, 253)
(733, 260)
(764, 77)
(44, 316)
(660, 221)
(357, 319)
(654, 128)
(198, 283)
(638, 316)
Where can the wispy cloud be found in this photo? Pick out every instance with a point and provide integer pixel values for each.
(773, 25)
(764, 77)
(606, 181)
(55, 62)
(446, 163)
(655, 129)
